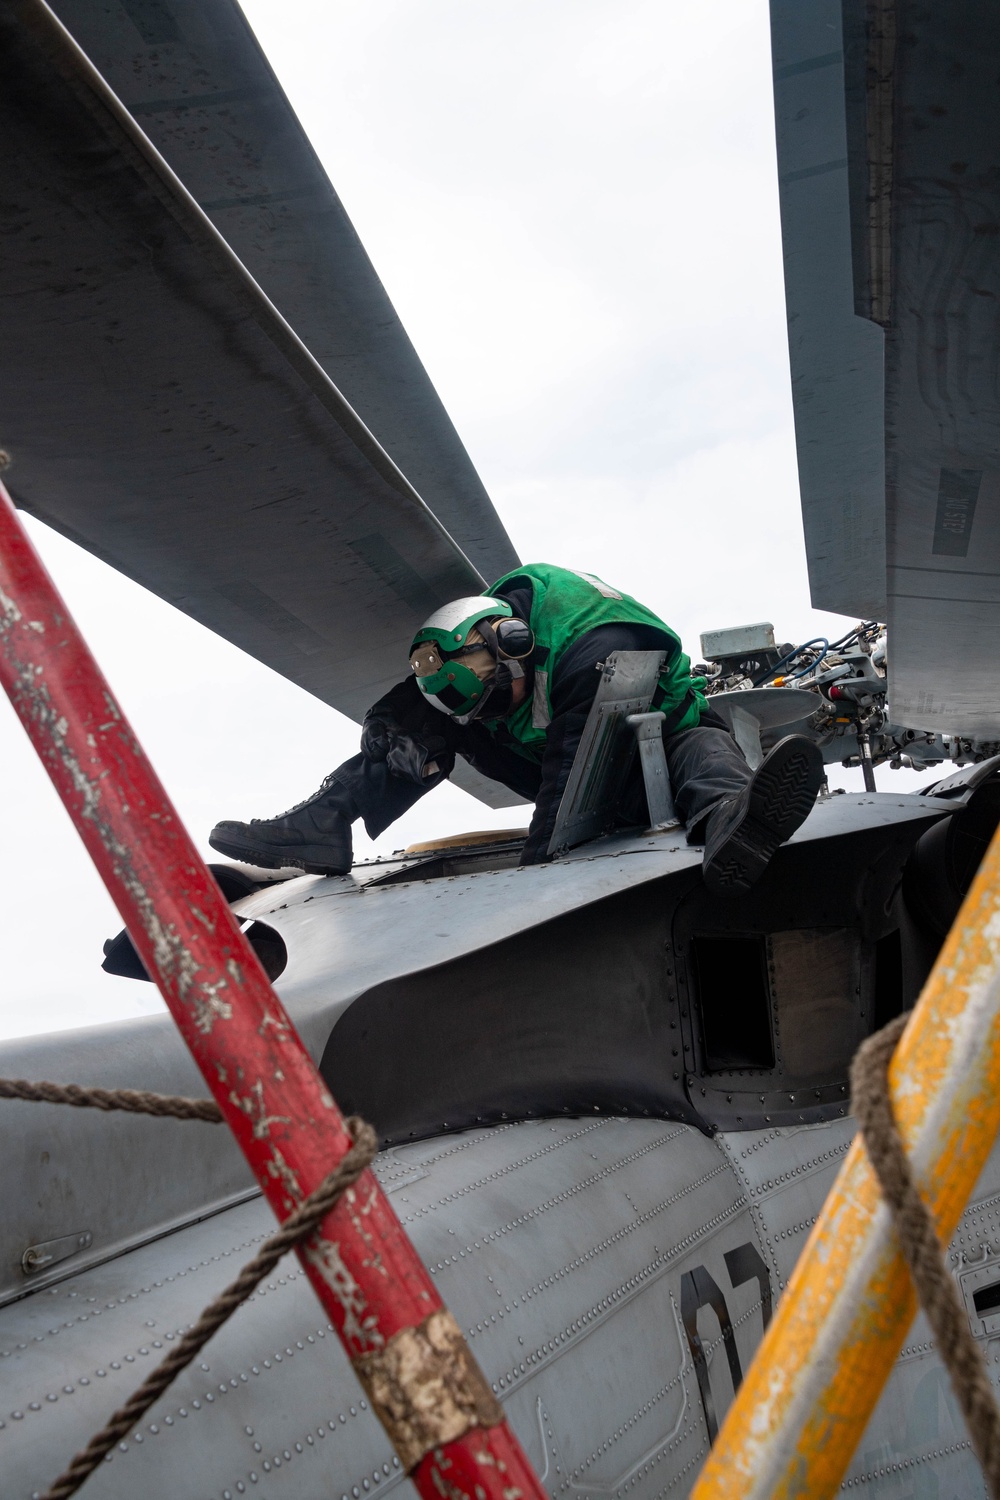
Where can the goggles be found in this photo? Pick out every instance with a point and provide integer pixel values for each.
(464, 661)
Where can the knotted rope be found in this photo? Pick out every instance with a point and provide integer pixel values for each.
(300, 1223)
(918, 1240)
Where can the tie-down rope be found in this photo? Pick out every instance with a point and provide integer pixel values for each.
(136, 1101)
(872, 1104)
(311, 1212)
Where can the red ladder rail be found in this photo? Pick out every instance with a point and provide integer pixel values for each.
(408, 1353)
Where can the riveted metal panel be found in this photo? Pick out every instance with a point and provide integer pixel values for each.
(560, 1246)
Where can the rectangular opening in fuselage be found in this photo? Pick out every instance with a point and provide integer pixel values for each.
(735, 1002)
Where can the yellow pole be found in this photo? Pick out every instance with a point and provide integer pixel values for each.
(828, 1352)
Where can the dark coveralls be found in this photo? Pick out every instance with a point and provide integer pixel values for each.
(403, 732)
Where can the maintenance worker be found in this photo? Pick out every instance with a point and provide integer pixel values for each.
(507, 679)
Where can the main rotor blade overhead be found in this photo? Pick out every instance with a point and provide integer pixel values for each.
(941, 268)
(888, 143)
(194, 77)
(835, 356)
(162, 412)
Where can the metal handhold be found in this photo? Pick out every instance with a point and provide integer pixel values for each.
(37, 1257)
(653, 760)
(605, 752)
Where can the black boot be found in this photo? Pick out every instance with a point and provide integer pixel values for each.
(744, 831)
(315, 835)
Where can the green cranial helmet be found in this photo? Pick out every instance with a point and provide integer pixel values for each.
(452, 661)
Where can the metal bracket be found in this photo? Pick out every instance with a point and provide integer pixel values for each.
(606, 750)
(746, 732)
(653, 760)
(38, 1257)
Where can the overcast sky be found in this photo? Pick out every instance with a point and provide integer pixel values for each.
(573, 206)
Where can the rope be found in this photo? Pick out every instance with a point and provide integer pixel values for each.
(136, 1101)
(310, 1213)
(920, 1245)
(300, 1223)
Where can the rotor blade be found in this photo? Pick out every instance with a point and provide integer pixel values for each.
(835, 356)
(493, 793)
(162, 413)
(890, 202)
(942, 388)
(194, 77)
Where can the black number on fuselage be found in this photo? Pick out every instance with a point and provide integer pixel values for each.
(699, 1289)
(746, 1263)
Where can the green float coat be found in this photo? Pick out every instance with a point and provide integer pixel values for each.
(564, 607)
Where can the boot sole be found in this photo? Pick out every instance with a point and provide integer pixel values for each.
(782, 797)
(310, 858)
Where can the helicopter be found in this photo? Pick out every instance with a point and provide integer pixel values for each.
(608, 1168)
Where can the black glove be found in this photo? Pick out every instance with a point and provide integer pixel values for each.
(405, 731)
(409, 757)
(377, 733)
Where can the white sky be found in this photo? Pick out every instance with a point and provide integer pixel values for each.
(573, 206)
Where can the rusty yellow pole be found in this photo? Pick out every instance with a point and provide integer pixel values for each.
(828, 1352)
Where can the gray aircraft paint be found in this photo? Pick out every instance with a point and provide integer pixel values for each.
(573, 1250)
(942, 406)
(200, 87)
(165, 414)
(561, 1246)
(897, 432)
(835, 356)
